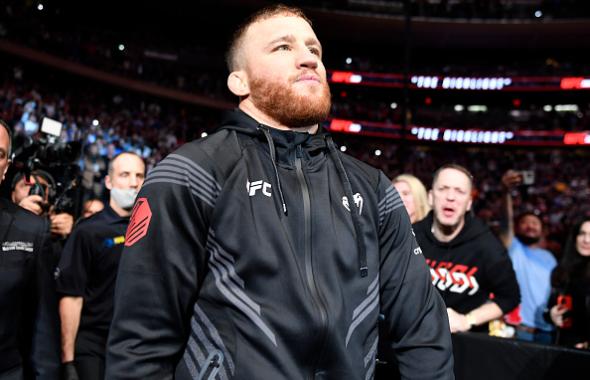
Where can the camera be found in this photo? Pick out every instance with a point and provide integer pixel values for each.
(57, 159)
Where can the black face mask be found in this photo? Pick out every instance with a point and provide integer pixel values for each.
(527, 240)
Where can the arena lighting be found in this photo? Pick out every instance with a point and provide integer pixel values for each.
(339, 125)
(343, 148)
(348, 60)
(576, 138)
(424, 81)
(95, 123)
(441, 82)
(477, 108)
(377, 152)
(430, 134)
(462, 136)
(393, 105)
(204, 134)
(475, 83)
(548, 108)
(121, 47)
(40, 7)
(538, 14)
(574, 83)
(459, 107)
(346, 77)
(566, 108)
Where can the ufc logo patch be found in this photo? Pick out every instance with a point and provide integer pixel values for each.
(253, 187)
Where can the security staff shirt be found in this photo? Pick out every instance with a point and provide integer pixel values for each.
(88, 268)
(24, 252)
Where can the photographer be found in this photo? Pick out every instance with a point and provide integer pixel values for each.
(25, 337)
(33, 195)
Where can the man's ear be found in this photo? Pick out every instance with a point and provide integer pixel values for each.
(237, 82)
(107, 182)
(5, 170)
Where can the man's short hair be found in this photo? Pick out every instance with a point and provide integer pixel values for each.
(457, 167)
(524, 214)
(111, 162)
(231, 57)
(9, 131)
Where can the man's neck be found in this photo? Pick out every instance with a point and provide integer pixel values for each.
(445, 234)
(263, 118)
(118, 210)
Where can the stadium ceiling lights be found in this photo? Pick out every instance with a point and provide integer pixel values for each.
(566, 108)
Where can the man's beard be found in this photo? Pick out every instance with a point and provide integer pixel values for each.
(285, 106)
(528, 240)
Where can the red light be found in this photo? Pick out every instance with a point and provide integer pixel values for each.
(576, 138)
(341, 76)
(338, 125)
(570, 83)
(428, 100)
(516, 102)
(343, 94)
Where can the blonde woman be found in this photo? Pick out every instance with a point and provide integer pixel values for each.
(413, 194)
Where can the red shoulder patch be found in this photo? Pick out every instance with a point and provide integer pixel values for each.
(139, 223)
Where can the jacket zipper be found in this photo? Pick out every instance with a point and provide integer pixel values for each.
(214, 363)
(311, 283)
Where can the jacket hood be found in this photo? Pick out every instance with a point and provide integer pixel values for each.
(243, 123)
(473, 228)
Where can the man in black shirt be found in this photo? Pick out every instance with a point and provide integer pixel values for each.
(87, 272)
(468, 263)
(23, 276)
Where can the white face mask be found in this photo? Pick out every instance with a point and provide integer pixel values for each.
(124, 198)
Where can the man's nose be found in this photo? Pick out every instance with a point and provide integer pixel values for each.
(307, 59)
(134, 181)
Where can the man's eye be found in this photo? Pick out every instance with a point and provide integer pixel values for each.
(283, 47)
(315, 51)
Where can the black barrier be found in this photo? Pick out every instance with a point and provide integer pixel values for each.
(481, 357)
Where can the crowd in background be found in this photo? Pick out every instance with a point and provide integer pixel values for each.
(108, 122)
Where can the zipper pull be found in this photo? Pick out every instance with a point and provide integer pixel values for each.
(299, 152)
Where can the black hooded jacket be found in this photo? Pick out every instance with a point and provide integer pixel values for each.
(470, 268)
(243, 261)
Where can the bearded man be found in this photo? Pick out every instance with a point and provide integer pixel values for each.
(532, 263)
(262, 252)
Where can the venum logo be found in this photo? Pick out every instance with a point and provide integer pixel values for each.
(254, 186)
(358, 201)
